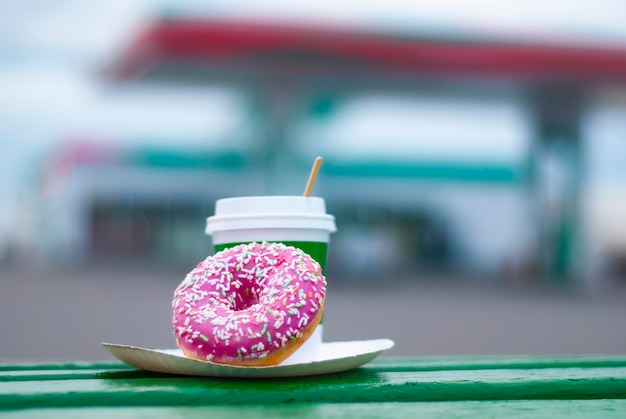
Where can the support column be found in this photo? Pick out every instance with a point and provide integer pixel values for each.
(557, 181)
(278, 101)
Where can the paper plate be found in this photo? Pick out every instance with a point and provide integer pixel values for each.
(331, 357)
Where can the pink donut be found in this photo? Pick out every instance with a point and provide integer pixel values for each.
(252, 304)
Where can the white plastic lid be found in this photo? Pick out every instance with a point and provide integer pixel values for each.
(284, 212)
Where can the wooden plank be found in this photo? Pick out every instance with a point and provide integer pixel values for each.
(61, 374)
(429, 363)
(572, 409)
(369, 384)
(80, 365)
(450, 363)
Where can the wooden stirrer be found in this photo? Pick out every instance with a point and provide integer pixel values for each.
(313, 176)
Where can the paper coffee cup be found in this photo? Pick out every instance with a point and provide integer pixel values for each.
(297, 221)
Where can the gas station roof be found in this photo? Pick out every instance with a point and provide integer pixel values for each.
(322, 40)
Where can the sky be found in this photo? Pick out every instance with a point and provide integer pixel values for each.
(556, 20)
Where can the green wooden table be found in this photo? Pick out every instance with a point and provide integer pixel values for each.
(386, 387)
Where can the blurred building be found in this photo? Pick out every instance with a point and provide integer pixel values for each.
(444, 149)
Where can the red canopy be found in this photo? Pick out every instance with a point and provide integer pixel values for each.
(285, 49)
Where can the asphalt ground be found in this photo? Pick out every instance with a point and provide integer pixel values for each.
(64, 315)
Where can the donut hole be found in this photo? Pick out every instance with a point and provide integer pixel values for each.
(242, 300)
(248, 288)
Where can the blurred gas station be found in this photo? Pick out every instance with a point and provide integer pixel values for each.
(473, 159)
(453, 146)
(441, 138)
